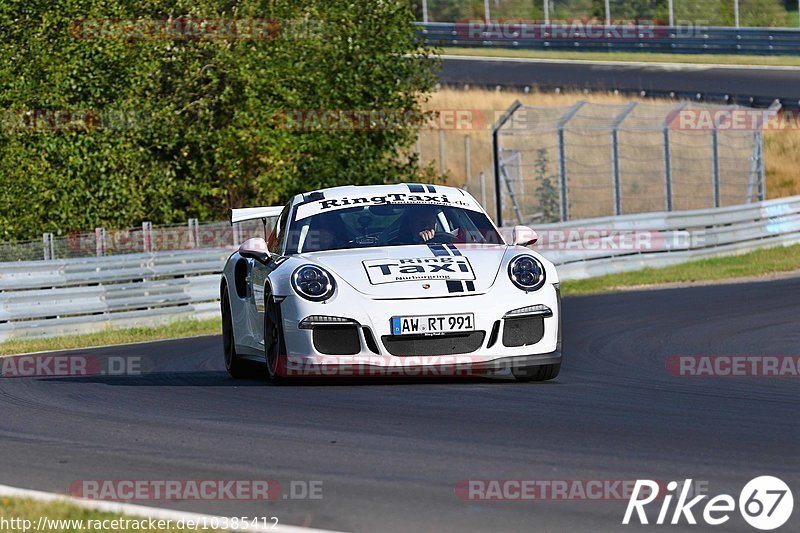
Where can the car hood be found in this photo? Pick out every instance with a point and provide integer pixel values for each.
(420, 271)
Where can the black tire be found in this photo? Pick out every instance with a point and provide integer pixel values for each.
(236, 366)
(537, 373)
(274, 342)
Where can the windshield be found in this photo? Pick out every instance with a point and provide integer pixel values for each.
(389, 225)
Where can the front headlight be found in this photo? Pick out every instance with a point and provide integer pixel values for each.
(313, 283)
(526, 272)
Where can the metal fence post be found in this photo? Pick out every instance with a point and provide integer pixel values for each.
(667, 171)
(194, 232)
(562, 159)
(147, 237)
(47, 241)
(666, 125)
(615, 156)
(467, 160)
(615, 172)
(483, 189)
(754, 177)
(715, 165)
(498, 189)
(100, 242)
(441, 152)
(762, 182)
(514, 203)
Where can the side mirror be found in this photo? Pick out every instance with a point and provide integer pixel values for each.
(523, 236)
(255, 248)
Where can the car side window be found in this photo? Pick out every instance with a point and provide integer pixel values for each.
(276, 237)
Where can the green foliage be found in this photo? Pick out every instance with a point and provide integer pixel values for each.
(546, 193)
(203, 130)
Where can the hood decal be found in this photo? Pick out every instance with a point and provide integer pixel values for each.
(352, 266)
(447, 268)
(440, 250)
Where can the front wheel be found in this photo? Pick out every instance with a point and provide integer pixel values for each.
(235, 365)
(274, 342)
(537, 373)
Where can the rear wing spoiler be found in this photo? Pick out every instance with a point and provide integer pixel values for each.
(253, 213)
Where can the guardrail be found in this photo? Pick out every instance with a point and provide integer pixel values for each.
(69, 296)
(607, 245)
(615, 38)
(57, 297)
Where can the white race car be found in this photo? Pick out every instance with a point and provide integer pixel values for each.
(389, 280)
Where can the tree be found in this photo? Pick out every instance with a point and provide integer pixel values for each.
(205, 129)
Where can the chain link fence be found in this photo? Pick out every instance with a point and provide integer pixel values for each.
(688, 14)
(145, 239)
(590, 160)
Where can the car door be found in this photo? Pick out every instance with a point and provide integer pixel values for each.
(259, 272)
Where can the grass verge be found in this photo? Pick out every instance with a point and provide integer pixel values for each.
(754, 264)
(647, 57)
(63, 517)
(183, 328)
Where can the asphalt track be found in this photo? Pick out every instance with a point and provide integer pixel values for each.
(713, 83)
(390, 454)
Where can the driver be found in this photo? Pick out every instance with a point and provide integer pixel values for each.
(420, 223)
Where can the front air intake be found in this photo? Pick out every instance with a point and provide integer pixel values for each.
(522, 331)
(447, 344)
(336, 340)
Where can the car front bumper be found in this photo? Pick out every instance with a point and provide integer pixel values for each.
(372, 318)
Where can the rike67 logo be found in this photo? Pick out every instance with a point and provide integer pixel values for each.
(765, 503)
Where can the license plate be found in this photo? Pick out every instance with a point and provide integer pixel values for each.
(416, 325)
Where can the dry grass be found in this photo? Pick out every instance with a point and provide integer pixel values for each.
(781, 147)
(782, 157)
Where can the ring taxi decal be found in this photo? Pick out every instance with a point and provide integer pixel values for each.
(424, 268)
(308, 209)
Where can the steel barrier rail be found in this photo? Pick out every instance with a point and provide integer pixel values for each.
(69, 296)
(663, 39)
(42, 298)
(669, 237)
